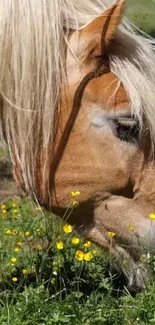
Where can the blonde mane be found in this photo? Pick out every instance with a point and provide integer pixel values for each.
(32, 61)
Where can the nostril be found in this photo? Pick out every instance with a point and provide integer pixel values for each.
(127, 191)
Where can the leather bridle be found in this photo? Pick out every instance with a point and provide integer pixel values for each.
(103, 68)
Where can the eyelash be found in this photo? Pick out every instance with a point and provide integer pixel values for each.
(128, 131)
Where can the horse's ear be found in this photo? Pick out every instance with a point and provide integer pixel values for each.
(106, 25)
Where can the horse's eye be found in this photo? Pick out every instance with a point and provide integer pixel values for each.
(127, 129)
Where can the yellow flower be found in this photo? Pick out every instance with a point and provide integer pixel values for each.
(4, 211)
(87, 244)
(3, 206)
(74, 194)
(131, 228)
(75, 203)
(19, 243)
(152, 216)
(13, 260)
(15, 211)
(25, 271)
(75, 240)
(14, 279)
(111, 234)
(94, 251)
(60, 244)
(125, 262)
(67, 228)
(88, 256)
(79, 255)
(17, 249)
(27, 233)
(37, 230)
(14, 232)
(9, 232)
(14, 205)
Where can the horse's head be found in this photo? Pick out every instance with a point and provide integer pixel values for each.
(104, 146)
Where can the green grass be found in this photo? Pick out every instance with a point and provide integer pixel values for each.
(43, 284)
(142, 13)
(40, 283)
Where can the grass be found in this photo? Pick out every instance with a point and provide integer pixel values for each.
(142, 13)
(50, 275)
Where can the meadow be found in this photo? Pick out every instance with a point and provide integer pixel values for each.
(49, 275)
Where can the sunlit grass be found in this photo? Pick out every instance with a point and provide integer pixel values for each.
(41, 255)
(35, 241)
(51, 275)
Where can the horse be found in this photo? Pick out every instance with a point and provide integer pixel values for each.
(77, 111)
